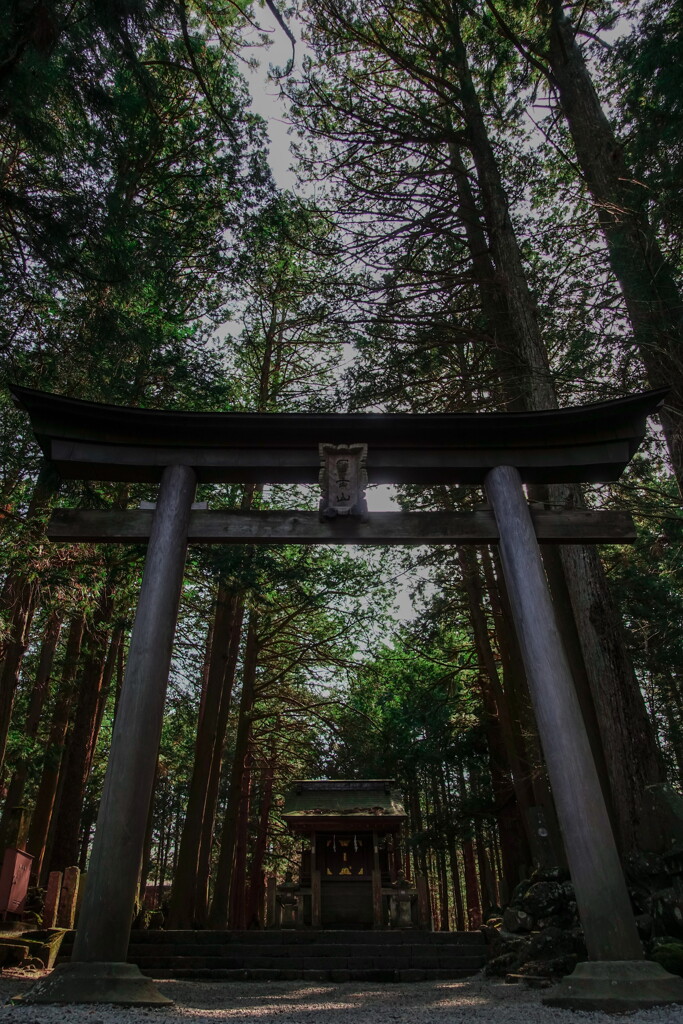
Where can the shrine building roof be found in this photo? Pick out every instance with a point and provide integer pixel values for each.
(330, 803)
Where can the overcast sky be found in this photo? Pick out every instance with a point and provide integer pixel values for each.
(265, 94)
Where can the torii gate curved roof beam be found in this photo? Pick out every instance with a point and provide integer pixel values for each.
(89, 440)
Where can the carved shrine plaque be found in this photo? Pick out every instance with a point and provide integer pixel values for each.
(343, 479)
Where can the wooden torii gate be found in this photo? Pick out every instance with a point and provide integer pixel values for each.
(499, 451)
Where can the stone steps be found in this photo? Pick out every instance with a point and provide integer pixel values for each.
(285, 974)
(313, 962)
(305, 955)
(207, 951)
(307, 936)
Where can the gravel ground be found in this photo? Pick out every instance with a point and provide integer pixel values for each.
(472, 1001)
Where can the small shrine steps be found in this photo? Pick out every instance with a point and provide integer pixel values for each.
(292, 955)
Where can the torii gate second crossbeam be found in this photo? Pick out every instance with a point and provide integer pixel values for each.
(500, 451)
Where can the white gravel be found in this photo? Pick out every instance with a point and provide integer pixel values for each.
(472, 1001)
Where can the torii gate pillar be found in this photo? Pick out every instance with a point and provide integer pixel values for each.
(617, 977)
(594, 865)
(98, 971)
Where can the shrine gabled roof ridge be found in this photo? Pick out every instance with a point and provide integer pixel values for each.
(354, 800)
(64, 417)
(344, 783)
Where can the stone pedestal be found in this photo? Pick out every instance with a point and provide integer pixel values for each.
(66, 910)
(54, 888)
(616, 986)
(401, 909)
(120, 984)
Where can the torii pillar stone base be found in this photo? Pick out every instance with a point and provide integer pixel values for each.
(96, 982)
(616, 986)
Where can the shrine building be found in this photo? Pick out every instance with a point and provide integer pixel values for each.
(351, 850)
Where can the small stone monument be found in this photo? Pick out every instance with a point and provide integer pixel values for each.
(66, 910)
(401, 902)
(54, 888)
(288, 900)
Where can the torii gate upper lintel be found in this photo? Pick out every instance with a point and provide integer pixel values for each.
(89, 440)
(583, 444)
(500, 451)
